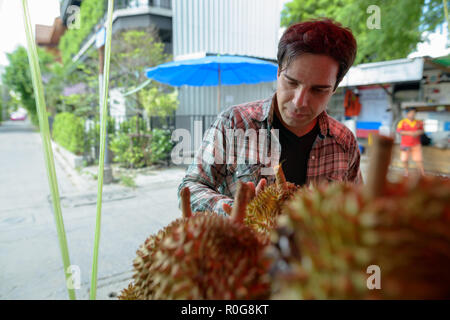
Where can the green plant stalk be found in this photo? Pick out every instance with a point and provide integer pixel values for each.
(446, 15)
(101, 163)
(45, 136)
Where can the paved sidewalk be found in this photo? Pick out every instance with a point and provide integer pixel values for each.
(129, 216)
(30, 259)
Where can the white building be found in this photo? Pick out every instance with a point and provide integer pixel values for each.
(234, 27)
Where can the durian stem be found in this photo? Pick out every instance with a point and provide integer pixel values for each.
(185, 195)
(380, 157)
(240, 202)
(279, 175)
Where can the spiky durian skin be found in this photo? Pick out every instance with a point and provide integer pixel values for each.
(337, 233)
(264, 209)
(206, 256)
(142, 263)
(129, 293)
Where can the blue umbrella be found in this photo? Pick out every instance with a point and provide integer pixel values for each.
(214, 71)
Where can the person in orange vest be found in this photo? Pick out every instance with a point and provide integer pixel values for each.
(410, 130)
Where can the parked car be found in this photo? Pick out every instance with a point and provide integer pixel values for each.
(18, 116)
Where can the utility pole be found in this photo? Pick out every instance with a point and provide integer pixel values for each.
(100, 43)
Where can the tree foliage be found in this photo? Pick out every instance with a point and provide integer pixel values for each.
(135, 51)
(85, 103)
(91, 11)
(158, 103)
(1, 110)
(402, 23)
(17, 77)
(54, 84)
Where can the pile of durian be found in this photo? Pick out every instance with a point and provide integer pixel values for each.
(331, 241)
(209, 256)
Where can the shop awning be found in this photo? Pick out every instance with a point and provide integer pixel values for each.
(393, 71)
(444, 61)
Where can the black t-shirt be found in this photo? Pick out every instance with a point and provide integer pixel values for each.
(295, 151)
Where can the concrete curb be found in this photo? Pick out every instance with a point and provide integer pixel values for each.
(71, 159)
(68, 162)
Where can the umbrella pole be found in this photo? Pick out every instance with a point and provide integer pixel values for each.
(218, 91)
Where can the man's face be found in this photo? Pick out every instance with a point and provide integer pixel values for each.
(411, 114)
(304, 89)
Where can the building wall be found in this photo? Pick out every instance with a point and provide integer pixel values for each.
(335, 106)
(374, 104)
(236, 27)
(242, 27)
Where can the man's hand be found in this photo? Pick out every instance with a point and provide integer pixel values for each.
(253, 193)
(411, 133)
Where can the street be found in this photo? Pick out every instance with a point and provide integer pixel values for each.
(30, 260)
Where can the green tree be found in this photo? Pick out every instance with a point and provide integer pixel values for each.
(4, 102)
(17, 78)
(83, 104)
(402, 23)
(91, 11)
(1, 109)
(54, 81)
(159, 103)
(134, 51)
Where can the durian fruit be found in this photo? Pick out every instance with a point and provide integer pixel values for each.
(145, 258)
(203, 256)
(333, 238)
(129, 293)
(264, 209)
(145, 255)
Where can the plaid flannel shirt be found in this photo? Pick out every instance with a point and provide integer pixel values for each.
(334, 156)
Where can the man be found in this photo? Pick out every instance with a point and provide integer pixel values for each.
(410, 130)
(313, 57)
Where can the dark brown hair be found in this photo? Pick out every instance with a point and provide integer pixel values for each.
(411, 109)
(322, 36)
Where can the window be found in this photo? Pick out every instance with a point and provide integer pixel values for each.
(430, 125)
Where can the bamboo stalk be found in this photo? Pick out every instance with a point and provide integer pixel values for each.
(46, 143)
(93, 292)
(380, 157)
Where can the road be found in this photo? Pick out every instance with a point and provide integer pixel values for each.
(30, 260)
